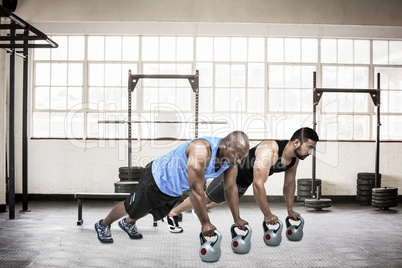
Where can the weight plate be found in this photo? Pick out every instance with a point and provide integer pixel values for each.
(124, 177)
(365, 182)
(367, 175)
(304, 193)
(304, 188)
(363, 198)
(133, 169)
(384, 202)
(318, 203)
(364, 187)
(384, 206)
(308, 182)
(385, 190)
(364, 193)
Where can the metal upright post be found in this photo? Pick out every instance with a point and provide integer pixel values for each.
(377, 158)
(129, 129)
(11, 182)
(25, 126)
(315, 103)
(196, 108)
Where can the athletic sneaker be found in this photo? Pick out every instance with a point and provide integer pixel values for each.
(130, 229)
(173, 223)
(103, 231)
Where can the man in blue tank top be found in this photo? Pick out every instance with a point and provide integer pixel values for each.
(268, 157)
(185, 168)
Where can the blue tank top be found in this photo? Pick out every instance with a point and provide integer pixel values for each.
(170, 170)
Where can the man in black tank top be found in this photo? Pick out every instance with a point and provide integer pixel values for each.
(265, 159)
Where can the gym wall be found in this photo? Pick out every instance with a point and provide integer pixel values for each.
(63, 167)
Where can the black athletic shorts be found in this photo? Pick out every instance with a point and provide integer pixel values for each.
(147, 198)
(216, 191)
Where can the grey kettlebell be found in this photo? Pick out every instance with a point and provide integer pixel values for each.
(241, 243)
(272, 237)
(210, 251)
(294, 232)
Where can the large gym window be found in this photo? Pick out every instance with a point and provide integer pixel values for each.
(260, 85)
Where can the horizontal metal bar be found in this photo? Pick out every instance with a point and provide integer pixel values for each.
(346, 90)
(160, 122)
(21, 38)
(163, 76)
(26, 46)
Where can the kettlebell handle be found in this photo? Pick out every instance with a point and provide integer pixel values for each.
(265, 226)
(298, 217)
(203, 239)
(234, 234)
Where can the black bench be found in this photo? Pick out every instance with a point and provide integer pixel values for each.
(103, 196)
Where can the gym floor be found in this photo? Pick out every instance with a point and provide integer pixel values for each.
(344, 235)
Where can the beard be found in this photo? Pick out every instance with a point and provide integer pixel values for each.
(299, 155)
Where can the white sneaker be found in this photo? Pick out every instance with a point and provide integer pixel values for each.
(173, 223)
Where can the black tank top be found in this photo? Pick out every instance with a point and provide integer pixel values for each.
(245, 174)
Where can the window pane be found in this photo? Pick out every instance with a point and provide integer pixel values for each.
(395, 102)
(256, 75)
(309, 50)
(292, 50)
(41, 98)
(206, 74)
(184, 48)
(167, 48)
(96, 74)
(75, 125)
(276, 100)
(380, 52)
(361, 51)
(222, 75)
(204, 48)
(256, 51)
(222, 94)
(293, 100)
(237, 99)
(345, 51)
(58, 96)
(113, 48)
(74, 98)
(255, 100)
(61, 52)
(75, 74)
(361, 127)
(40, 124)
(238, 75)
(96, 47)
(76, 47)
(238, 49)
(221, 48)
(113, 75)
(57, 125)
(292, 76)
(395, 52)
(276, 76)
(59, 74)
(42, 74)
(275, 49)
(205, 101)
(41, 54)
(345, 127)
(130, 48)
(150, 48)
(113, 99)
(328, 51)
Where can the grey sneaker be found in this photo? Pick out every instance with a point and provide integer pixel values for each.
(104, 233)
(130, 229)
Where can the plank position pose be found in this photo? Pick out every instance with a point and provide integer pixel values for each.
(268, 157)
(185, 168)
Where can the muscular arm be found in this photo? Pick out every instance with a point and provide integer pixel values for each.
(232, 195)
(265, 158)
(289, 188)
(198, 153)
